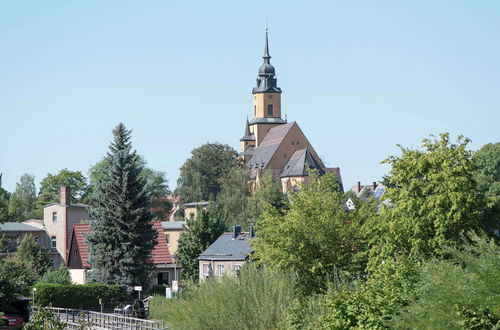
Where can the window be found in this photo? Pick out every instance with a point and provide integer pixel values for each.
(293, 143)
(297, 143)
(220, 270)
(36, 239)
(236, 268)
(255, 111)
(53, 243)
(206, 270)
(75, 253)
(269, 109)
(269, 96)
(54, 216)
(51, 262)
(167, 236)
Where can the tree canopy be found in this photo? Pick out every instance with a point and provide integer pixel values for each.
(199, 234)
(200, 176)
(22, 200)
(315, 238)
(434, 200)
(123, 238)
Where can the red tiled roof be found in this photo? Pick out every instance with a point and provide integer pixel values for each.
(160, 253)
(80, 231)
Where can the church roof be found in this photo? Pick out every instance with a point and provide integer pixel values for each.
(299, 164)
(263, 154)
(248, 136)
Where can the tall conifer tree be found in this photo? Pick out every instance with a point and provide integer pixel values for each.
(122, 238)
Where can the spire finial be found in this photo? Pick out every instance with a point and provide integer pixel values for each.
(266, 56)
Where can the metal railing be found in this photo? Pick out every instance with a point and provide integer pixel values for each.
(78, 319)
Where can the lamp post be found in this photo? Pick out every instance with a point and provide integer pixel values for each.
(175, 258)
(34, 290)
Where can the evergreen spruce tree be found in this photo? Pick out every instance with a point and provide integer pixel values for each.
(122, 237)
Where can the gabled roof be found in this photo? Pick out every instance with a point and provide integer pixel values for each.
(173, 225)
(18, 226)
(78, 237)
(299, 164)
(160, 254)
(263, 154)
(227, 248)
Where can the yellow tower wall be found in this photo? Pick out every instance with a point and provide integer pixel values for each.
(262, 100)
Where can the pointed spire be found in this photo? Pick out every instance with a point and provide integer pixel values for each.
(266, 56)
(247, 128)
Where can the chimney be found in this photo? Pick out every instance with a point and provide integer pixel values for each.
(359, 186)
(252, 231)
(236, 231)
(65, 195)
(374, 186)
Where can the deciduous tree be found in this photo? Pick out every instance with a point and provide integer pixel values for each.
(22, 200)
(199, 234)
(315, 238)
(435, 200)
(200, 176)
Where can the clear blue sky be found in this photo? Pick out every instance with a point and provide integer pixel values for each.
(358, 76)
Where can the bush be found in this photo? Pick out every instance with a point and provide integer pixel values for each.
(458, 292)
(256, 299)
(84, 296)
(58, 275)
(157, 290)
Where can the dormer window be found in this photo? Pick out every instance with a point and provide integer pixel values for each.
(269, 109)
(54, 216)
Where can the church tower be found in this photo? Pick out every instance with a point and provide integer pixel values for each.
(266, 104)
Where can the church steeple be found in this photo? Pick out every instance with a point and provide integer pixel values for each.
(266, 80)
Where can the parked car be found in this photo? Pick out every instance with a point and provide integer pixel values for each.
(14, 320)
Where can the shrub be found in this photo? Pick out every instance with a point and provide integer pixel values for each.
(58, 275)
(84, 296)
(157, 290)
(256, 299)
(458, 292)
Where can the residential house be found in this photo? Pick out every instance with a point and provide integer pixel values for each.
(173, 230)
(78, 259)
(226, 255)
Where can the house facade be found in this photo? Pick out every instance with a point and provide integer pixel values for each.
(78, 257)
(227, 255)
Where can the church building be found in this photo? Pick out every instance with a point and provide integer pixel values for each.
(270, 143)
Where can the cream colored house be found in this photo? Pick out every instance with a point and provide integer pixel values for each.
(173, 230)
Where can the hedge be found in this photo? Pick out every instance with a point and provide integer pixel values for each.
(84, 296)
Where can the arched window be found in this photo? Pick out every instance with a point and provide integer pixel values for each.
(269, 109)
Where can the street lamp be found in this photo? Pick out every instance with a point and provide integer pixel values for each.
(175, 258)
(34, 290)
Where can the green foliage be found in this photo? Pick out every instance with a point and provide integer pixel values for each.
(157, 290)
(85, 296)
(315, 238)
(22, 200)
(199, 234)
(434, 201)
(58, 275)
(51, 185)
(358, 304)
(458, 292)
(156, 186)
(256, 299)
(16, 279)
(200, 176)
(233, 197)
(487, 174)
(267, 192)
(44, 319)
(122, 238)
(32, 256)
(4, 203)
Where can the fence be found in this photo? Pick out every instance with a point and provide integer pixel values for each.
(76, 319)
